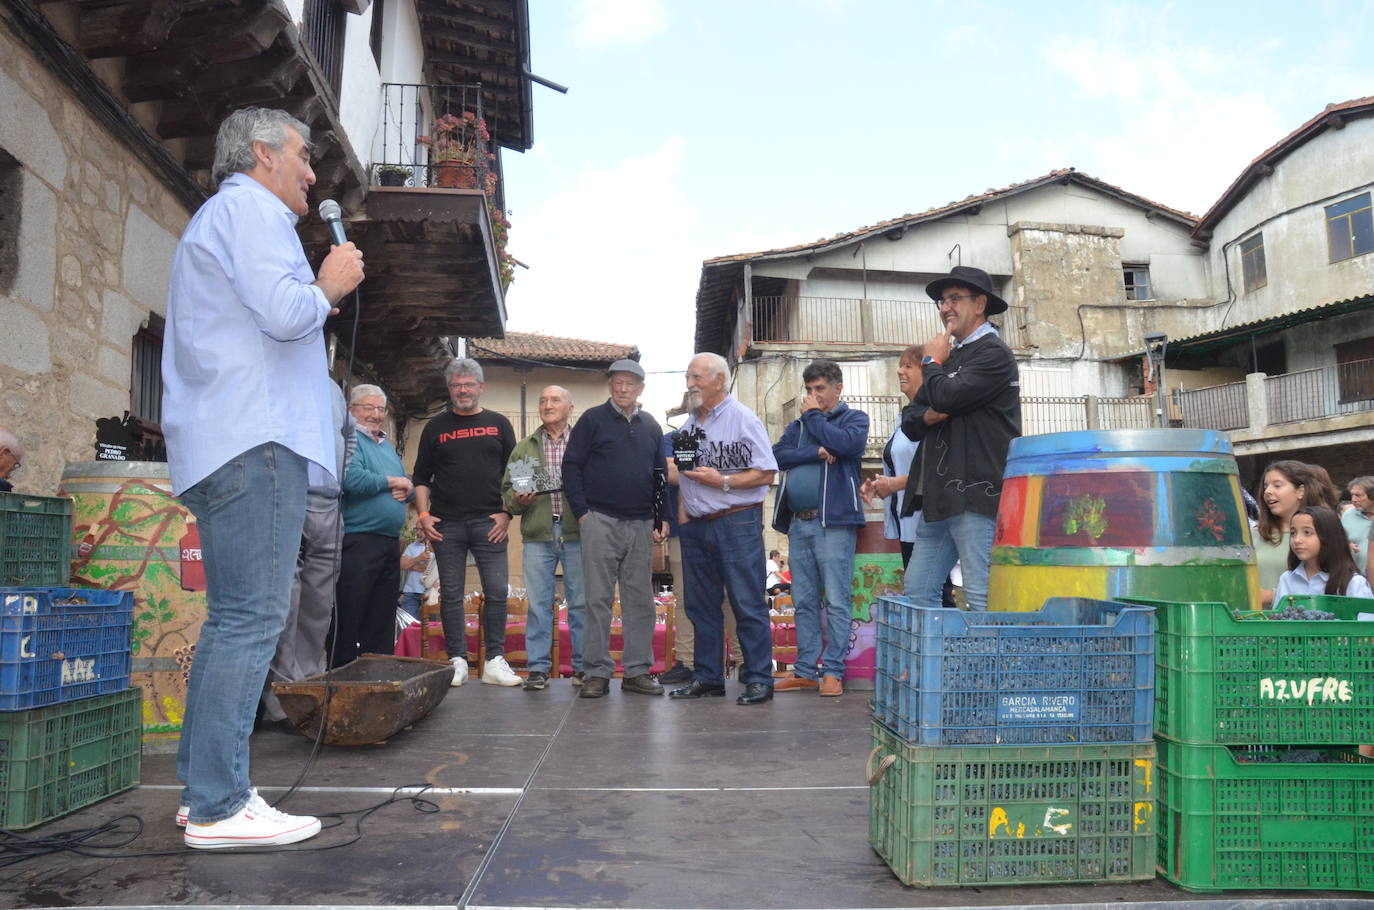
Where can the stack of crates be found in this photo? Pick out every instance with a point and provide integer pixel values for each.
(1261, 781)
(1014, 748)
(70, 725)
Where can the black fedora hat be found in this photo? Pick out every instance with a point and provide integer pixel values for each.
(968, 277)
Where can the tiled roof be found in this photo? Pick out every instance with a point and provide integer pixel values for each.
(720, 275)
(537, 346)
(989, 195)
(1332, 116)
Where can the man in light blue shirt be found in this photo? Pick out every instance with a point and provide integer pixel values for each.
(721, 514)
(246, 407)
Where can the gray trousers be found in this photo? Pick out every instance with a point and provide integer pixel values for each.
(300, 649)
(615, 549)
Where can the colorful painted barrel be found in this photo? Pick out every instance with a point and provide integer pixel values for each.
(1122, 513)
(130, 534)
(878, 573)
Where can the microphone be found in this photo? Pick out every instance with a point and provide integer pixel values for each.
(333, 216)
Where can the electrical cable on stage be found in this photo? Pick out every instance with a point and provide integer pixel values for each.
(126, 829)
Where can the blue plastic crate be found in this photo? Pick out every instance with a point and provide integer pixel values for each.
(1075, 671)
(61, 644)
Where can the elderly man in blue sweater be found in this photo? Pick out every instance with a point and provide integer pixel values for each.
(615, 481)
(818, 508)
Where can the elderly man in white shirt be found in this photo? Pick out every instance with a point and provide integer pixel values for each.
(246, 407)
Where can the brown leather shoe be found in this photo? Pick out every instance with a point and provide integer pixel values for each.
(594, 687)
(831, 686)
(794, 683)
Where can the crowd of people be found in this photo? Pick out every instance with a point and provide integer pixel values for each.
(301, 498)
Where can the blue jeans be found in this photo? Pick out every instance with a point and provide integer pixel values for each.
(541, 559)
(966, 539)
(822, 565)
(412, 602)
(725, 556)
(251, 512)
(462, 537)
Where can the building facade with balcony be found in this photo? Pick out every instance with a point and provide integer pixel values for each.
(106, 140)
(1289, 249)
(1081, 263)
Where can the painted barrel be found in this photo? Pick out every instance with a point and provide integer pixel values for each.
(130, 534)
(1122, 513)
(878, 572)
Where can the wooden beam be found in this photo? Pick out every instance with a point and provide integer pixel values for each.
(121, 30)
(35, 32)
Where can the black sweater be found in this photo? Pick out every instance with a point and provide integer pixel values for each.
(462, 459)
(610, 465)
(963, 457)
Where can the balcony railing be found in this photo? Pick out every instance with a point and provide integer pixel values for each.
(1219, 407)
(1056, 414)
(408, 112)
(884, 414)
(826, 321)
(1343, 388)
(1039, 414)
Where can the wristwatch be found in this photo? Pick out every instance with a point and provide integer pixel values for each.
(928, 360)
(725, 484)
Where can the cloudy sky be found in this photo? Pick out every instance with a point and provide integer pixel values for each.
(698, 128)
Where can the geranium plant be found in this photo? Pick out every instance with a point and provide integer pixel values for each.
(457, 139)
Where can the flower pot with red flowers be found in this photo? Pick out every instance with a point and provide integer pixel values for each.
(458, 150)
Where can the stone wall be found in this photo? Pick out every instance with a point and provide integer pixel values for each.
(1056, 268)
(96, 234)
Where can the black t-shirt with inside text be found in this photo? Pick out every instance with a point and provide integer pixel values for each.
(461, 460)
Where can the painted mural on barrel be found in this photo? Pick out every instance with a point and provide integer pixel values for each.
(130, 534)
(1118, 513)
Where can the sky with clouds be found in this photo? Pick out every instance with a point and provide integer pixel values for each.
(698, 128)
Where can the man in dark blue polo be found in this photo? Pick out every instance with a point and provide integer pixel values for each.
(615, 480)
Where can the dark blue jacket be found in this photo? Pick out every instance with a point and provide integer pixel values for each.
(844, 433)
(615, 466)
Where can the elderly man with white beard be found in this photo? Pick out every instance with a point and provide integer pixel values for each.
(721, 515)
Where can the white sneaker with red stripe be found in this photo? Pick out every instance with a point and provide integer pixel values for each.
(255, 825)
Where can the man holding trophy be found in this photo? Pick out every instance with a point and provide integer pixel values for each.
(533, 489)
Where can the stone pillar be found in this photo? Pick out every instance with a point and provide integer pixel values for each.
(1257, 401)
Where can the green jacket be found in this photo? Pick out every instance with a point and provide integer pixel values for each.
(536, 520)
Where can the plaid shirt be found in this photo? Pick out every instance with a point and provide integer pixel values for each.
(553, 464)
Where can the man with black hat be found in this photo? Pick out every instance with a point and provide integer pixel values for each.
(615, 481)
(965, 416)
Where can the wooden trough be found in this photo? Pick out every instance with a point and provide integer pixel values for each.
(370, 700)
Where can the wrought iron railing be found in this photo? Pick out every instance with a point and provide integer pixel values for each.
(1062, 414)
(884, 414)
(1219, 407)
(854, 321)
(1343, 388)
(409, 112)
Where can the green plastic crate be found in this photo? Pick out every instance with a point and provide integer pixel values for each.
(1220, 679)
(1226, 823)
(1008, 815)
(35, 541)
(57, 759)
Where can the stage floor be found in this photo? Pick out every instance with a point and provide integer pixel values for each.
(545, 800)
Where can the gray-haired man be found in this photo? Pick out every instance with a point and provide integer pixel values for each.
(245, 409)
(459, 463)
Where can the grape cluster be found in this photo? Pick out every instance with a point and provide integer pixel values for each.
(1293, 612)
(1305, 756)
(1289, 612)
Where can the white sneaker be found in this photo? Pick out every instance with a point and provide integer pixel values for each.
(498, 673)
(183, 812)
(460, 671)
(255, 825)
